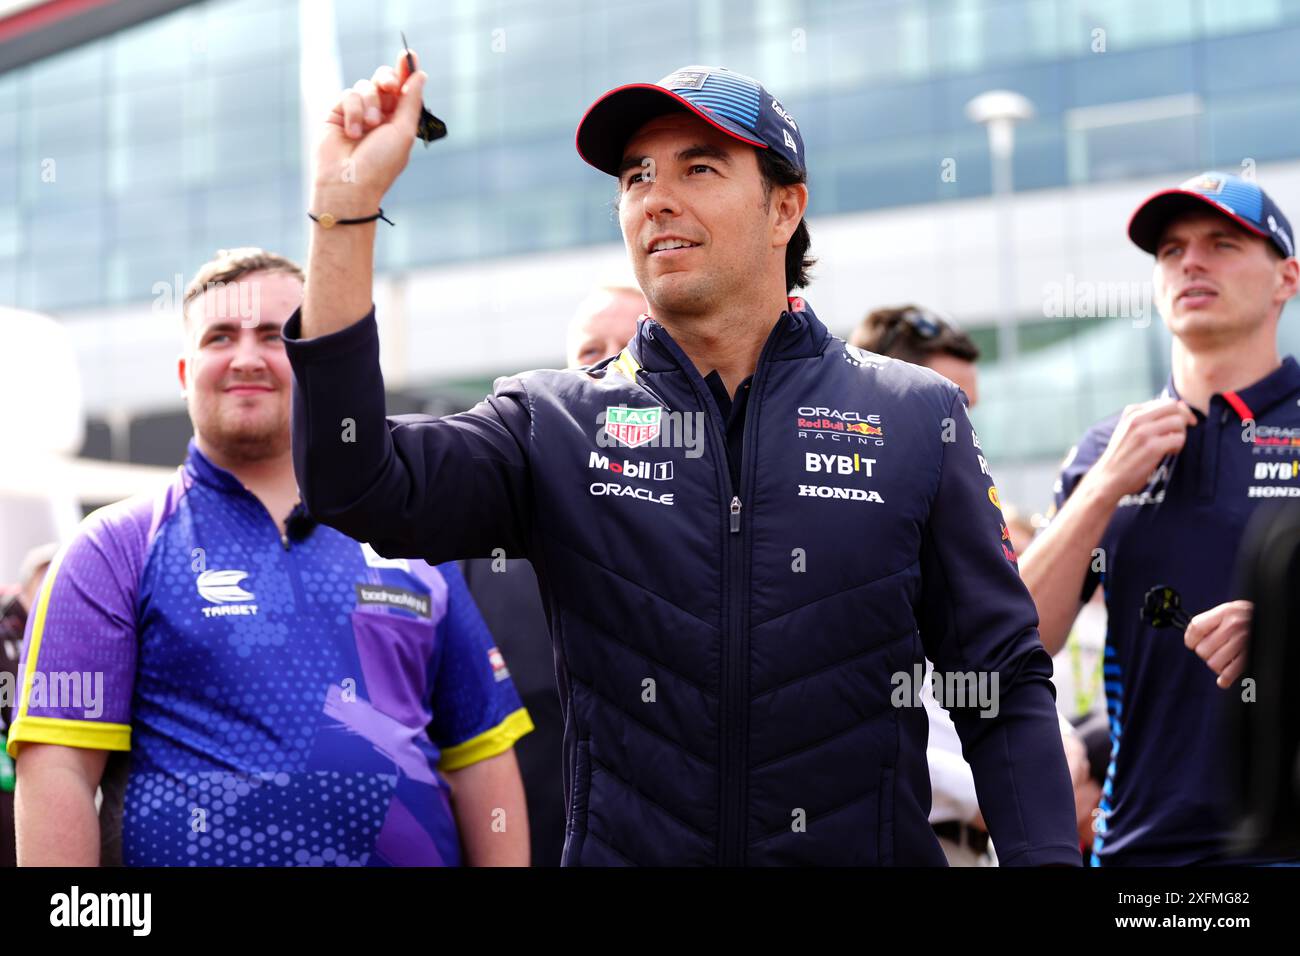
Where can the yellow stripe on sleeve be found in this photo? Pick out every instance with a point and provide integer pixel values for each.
(87, 734)
(487, 744)
(38, 630)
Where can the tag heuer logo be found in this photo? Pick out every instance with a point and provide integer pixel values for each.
(632, 426)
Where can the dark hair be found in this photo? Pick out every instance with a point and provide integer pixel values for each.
(907, 343)
(777, 171)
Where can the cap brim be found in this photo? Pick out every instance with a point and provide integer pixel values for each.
(1149, 221)
(610, 122)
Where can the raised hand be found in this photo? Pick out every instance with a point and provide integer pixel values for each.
(1145, 434)
(365, 142)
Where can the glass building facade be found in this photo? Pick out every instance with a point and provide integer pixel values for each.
(127, 161)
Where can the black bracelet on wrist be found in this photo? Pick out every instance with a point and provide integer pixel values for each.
(327, 221)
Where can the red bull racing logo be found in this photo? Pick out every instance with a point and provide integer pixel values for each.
(837, 425)
(1273, 437)
(862, 428)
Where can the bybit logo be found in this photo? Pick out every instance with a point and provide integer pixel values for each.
(838, 464)
(1280, 470)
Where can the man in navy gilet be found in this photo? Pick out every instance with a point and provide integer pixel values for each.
(748, 534)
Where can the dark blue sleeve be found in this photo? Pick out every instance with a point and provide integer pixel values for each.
(976, 617)
(409, 485)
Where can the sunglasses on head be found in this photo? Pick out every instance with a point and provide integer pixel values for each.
(923, 322)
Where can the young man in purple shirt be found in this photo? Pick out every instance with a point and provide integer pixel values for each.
(252, 688)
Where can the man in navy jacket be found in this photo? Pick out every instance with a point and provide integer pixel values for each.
(747, 533)
(1153, 504)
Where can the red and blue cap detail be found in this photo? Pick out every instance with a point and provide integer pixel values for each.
(1241, 200)
(736, 104)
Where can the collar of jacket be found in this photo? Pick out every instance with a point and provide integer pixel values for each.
(199, 467)
(798, 333)
(1260, 397)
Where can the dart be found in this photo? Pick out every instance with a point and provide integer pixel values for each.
(429, 127)
(1163, 607)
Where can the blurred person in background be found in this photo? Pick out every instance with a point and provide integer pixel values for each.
(1152, 504)
(15, 607)
(1020, 527)
(506, 591)
(603, 324)
(1077, 667)
(1077, 674)
(270, 691)
(923, 337)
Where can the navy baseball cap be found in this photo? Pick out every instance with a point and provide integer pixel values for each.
(732, 102)
(1239, 199)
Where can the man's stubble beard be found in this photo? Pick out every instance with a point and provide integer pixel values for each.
(243, 441)
(699, 296)
(688, 298)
